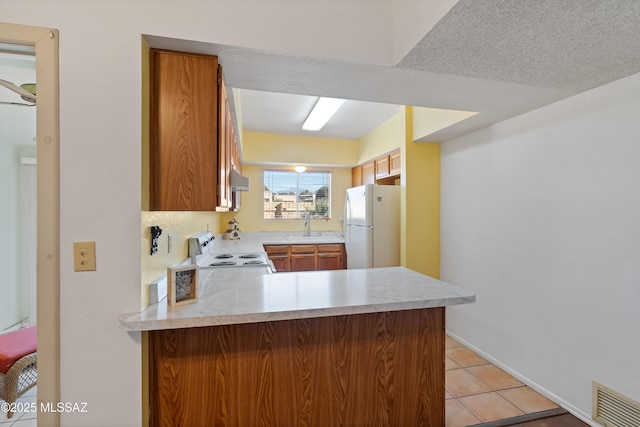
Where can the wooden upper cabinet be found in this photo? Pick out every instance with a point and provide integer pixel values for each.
(382, 167)
(236, 196)
(368, 173)
(225, 127)
(395, 163)
(383, 170)
(229, 154)
(356, 176)
(183, 131)
(193, 145)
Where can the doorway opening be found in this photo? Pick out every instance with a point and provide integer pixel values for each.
(45, 43)
(18, 172)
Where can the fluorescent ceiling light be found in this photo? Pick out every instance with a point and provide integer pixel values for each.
(321, 113)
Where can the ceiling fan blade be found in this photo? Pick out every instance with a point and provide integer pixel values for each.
(25, 94)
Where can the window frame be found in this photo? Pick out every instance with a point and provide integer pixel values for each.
(269, 212)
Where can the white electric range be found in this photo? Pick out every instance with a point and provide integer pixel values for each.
(201, 252)
(219, 266)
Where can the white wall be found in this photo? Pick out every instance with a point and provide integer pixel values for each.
(541, 218)
(100, 140)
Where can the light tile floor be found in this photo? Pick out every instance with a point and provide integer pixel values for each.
(21, 419)
(478, 392)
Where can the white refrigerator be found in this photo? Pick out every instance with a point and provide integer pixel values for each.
(372, 226)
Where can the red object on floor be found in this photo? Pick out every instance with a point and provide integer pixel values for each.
(15, 345)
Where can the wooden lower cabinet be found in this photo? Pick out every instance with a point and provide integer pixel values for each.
(303, 257)
(279, 255)
(377, 369)
(307, 257)
(303, 262)
(331, 257)
(281, 263)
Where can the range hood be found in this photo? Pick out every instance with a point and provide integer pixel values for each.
(239, 182)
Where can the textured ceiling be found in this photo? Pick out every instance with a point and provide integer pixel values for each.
(563, 44)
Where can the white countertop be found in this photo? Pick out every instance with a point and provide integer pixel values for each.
(248, 295)
(254, 241)
(250, 242)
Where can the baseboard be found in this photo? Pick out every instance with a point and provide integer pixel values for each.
(523, 418)
(543, 391)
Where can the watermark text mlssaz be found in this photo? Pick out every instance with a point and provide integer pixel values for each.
(80, 407)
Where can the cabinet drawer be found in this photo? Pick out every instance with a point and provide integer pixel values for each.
(336, 247)
(303, 249)
(276, 249)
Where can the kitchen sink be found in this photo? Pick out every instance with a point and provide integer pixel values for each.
(321, 237)
(314, 239)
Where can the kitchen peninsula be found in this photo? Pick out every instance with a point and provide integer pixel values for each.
(323, 348)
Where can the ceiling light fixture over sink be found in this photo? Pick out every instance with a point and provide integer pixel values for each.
(324, 109)
(300, 168)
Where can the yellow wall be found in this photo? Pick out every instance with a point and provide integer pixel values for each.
(278, 150)
(421, 213)
(385, 138)
(251, 216)
(429, 120)
(181, 226)
(290, 149)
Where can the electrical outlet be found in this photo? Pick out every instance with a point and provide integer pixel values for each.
(84, 256)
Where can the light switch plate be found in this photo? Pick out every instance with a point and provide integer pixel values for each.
(84, 256)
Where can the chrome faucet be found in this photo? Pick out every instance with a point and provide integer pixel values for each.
(307, 223)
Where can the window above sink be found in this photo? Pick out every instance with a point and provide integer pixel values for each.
(293, 195)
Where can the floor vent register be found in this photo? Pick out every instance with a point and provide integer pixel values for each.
(612, 409)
